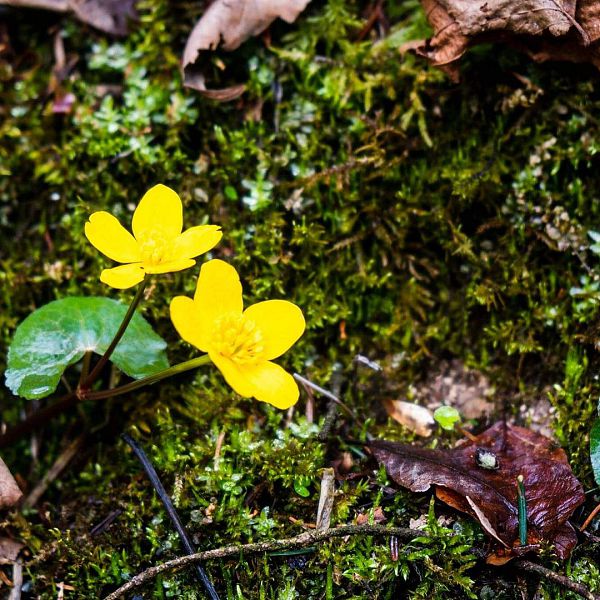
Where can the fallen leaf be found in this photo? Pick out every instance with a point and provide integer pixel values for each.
(228, 23)
(110, 16)
(376, 516)
(414, 417)
(490, 494)
(10, 493)
(545, 29)
(9, 550)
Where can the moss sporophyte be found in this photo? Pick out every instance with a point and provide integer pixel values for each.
(157, 244)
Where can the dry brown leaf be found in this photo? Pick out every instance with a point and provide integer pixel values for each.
(10, 493)
(490, 494)
(228, 23)
(545, 29)
(414, 417)
(9, 550)
(110, 16)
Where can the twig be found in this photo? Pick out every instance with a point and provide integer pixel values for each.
(55, 470)
(106, 522)
(15, 592)
(580, 589)
(308, 538)
(326, 499)
(162, 494)
(331, 410)
(590, 518)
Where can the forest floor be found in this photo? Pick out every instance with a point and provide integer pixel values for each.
(444, 230)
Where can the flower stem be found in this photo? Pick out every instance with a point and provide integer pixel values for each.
(134, 385)
(89, 380)
(41, 417)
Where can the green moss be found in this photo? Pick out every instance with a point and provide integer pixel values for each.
(411, 218)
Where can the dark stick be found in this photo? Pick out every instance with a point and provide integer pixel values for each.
(164, 497)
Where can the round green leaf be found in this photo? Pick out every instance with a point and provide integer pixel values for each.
(60, 333)
(446, 417)
(595, 449)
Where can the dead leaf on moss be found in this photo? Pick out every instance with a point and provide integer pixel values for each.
(9, 550)
(10, 493)
(228, 23)
(110, 16)
(545, 29)
(490, 495)
(414, 417)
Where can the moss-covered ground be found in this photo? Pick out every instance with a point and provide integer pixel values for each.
(414, 220)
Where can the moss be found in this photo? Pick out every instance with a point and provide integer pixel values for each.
(413, 219)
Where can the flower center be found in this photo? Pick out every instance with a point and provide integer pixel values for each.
(238, 338)
(155, 247)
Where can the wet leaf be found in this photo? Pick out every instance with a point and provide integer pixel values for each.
(60, 333)
(545, 29)
(228, 23)
(595, 449)
(487, 489)
(10, 493)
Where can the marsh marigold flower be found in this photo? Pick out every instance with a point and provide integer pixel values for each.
(157, 244)
(241, 343)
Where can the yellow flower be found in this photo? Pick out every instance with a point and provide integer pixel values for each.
(241, 343)
(157, 244)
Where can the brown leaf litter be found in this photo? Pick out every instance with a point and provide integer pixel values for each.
(479, 478)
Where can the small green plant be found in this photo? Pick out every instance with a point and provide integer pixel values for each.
(447, 417)
(241, 343)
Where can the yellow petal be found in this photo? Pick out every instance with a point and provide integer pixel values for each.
(233, 374)
(280, 322)
(123, 277)
(272, 383)
(159, 210)
(169, 267)
(218, 292)
(184, 315)
(196, 240)
(106, 234)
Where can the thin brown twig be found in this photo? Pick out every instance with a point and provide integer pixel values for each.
(308, 538)
(564, 582)
(590, 518)
(55, 470)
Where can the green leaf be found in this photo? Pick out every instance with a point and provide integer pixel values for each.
(60, 333)
(595, 449)
(446, 417)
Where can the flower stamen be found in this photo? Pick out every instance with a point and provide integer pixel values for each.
(238, 338)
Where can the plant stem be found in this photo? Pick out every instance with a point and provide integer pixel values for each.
(85, 367)
(64, 403)
(38, 418)
(522, 506)
(89, 380)
(134, 385)
(164, 497)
